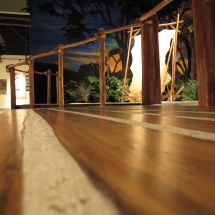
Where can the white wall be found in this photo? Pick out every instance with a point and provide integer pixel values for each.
(5, 100)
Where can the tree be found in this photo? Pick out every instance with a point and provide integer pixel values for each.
(76, 14)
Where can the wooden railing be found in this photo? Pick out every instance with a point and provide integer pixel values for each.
(148, 24)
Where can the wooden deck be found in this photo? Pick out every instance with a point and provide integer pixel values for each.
(148, 159)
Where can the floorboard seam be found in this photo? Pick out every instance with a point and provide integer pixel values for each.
(181, 131)
(166, 115)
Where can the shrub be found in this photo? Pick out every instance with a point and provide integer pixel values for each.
(190, 91)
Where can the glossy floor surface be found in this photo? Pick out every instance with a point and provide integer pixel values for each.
(148, 159)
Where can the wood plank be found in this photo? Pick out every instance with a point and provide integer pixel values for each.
(164, 119)
(143, 170)
(11, 151)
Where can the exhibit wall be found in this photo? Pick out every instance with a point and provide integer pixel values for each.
(22, 93)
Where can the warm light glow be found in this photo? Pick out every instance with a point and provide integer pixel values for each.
(136, 67)
(20, 86)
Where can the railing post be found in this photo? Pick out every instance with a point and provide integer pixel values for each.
(151, 90)
(12, 87)
(48, 73)
(60, 78)
(57, 88)
(102, 84)
(31, 83)
(204, 33)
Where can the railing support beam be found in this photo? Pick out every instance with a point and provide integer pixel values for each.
(151, 90)
(31, 83)
(102, 84)
(60, 78)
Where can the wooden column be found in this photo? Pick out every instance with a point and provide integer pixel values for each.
(12, 88)
(102, 83)
(57, 88)
(48, 86)
(60, 78)
(174, 55)
(151, 90)
(31, 83)
(204, 34)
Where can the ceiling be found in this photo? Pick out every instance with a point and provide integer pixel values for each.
(14, 33)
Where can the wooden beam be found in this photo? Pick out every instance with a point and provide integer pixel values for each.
(57, 87)
(17, 64)
(31, 83)
(171, 23)
(204, 34)
(174, 52)
(60, 77)
(40, 73)
(42, 55)
(102, 83)
(19, 70)
(154, 10)
(151, 90)
(12, 88)
(127, 60)
(48, 86)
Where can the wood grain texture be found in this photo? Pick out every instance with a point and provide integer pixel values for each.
(187, 120)
(11, 152)
(151, 93)
(12, 88)
(204, 33)
(143, 170)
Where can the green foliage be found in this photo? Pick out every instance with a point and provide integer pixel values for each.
(114, 89)
(94, 83)
(190, 91)
(88, 90)
(190, 28)
(69, 91)
(83, 92)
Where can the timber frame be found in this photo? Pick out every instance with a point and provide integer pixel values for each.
(148, 23)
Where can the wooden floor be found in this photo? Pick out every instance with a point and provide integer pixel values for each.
(148, 159)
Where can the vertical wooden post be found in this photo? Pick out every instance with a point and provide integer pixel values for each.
(48, 86)
(151, 90)
(172, 91)
(60, 78)
(57, 88)
(31, 83)
(102, 83)
(12, 88)
(174, 52)
(204, 34)
(126, 67)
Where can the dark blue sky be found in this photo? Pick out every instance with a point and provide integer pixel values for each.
(45, 36)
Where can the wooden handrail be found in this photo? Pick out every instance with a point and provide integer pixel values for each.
(154, 10)
(19, 70)
(40, 73)
(43, 55)
(78, 43)
(171, 23)
(17, 64)
(100, 35)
